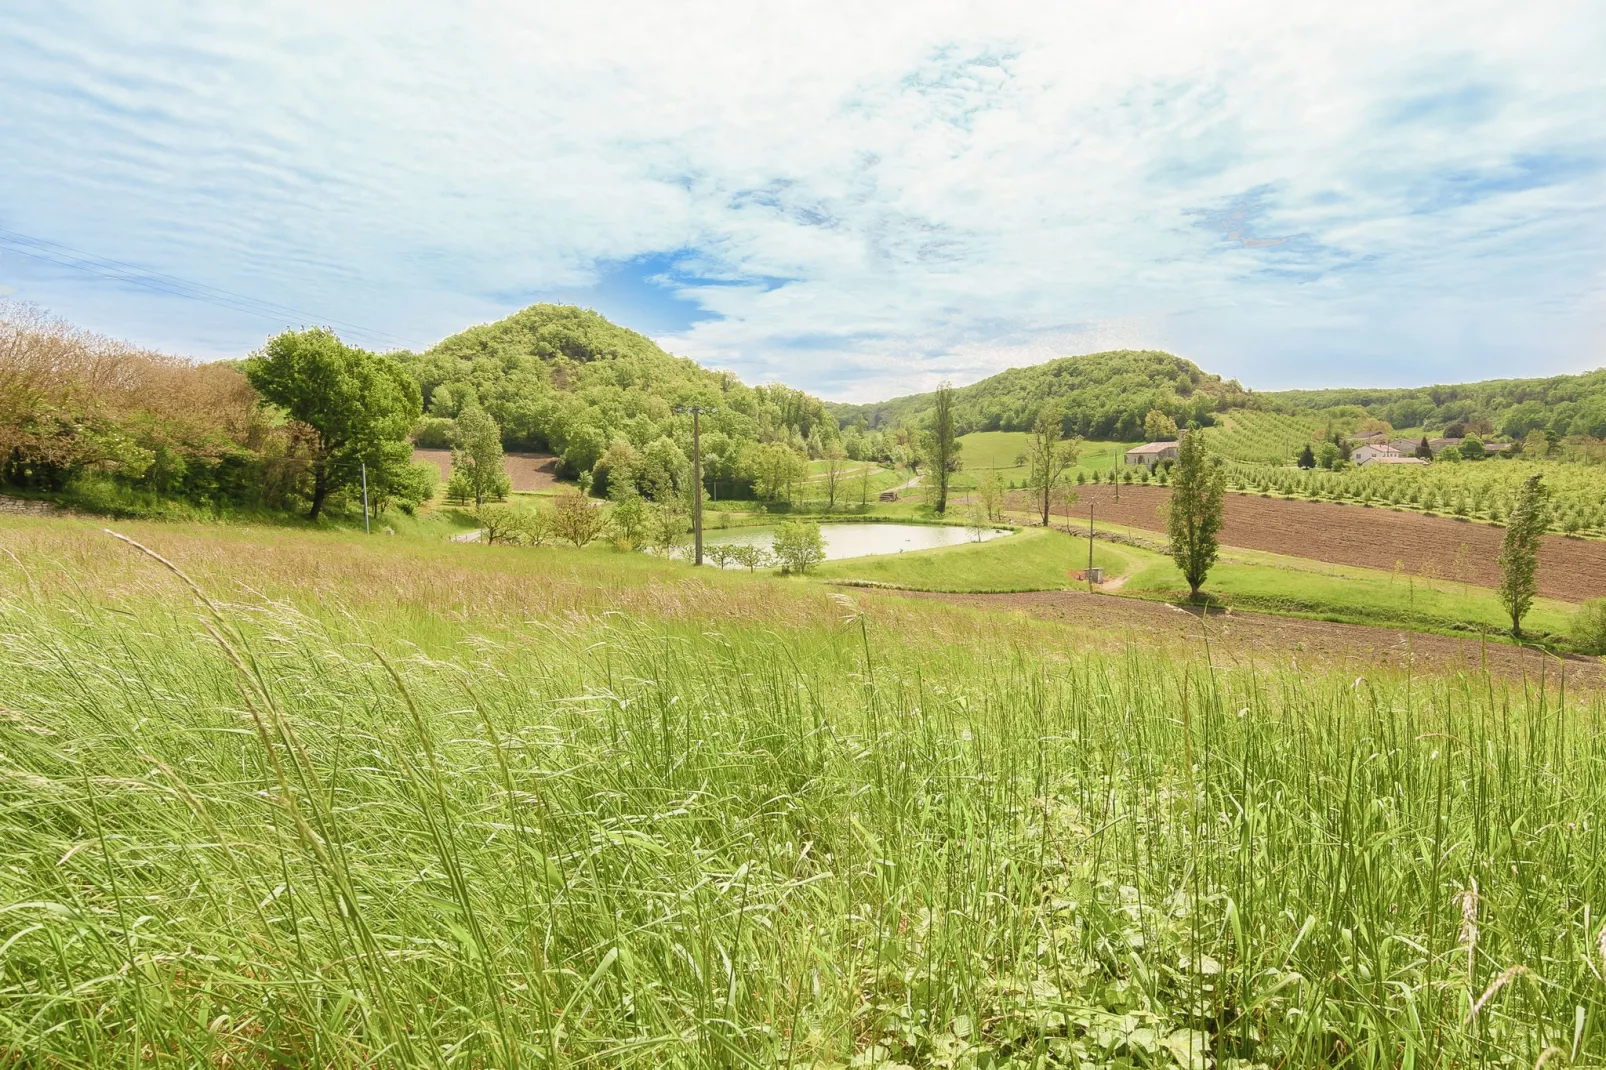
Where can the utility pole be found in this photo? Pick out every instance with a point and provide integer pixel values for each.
(1090, 544)
(365, 529)
(696, 478)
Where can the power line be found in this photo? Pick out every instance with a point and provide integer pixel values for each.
(119, 271)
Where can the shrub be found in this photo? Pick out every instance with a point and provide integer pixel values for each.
(799, 546)
(1588, 628)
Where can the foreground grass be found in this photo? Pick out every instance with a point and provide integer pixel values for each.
(1032, 559)
(316, 831)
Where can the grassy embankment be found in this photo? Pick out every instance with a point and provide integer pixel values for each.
(396, 803)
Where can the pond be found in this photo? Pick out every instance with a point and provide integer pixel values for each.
(859, 540)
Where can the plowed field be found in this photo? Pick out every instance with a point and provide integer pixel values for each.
(1570, 569)
(528, 471)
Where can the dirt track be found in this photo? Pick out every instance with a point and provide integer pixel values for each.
(1238, 637)
(528, 471)
(1571, 569)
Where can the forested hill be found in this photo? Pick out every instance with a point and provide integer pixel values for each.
(1103, 395)
(1561, 404)
(560, 378)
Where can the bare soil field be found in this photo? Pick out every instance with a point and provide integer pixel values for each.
(1240, 638)
(1570, 569)
(528, 471)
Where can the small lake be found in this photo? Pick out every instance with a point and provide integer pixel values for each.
(858, 540)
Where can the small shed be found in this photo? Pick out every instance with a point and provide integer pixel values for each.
(888, 496)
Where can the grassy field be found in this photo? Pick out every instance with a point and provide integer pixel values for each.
(986, 450)
(390, 802)
(1033, 559)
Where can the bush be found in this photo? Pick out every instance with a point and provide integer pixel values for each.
(434, 433)
(1588, 628)
(799, 546)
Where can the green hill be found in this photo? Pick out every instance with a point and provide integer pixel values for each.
(1564, 405)
(1103, 395)
(566, 380)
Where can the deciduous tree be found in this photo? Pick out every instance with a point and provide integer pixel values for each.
(1519, 550)
(358, 407)
(942, 446)
(1194, 513)
(477, 456)
(1047, 458)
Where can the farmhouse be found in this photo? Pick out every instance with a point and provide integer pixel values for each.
(1152, 453)
(1374, 451)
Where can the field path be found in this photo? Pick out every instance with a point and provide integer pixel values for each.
(1570, 569)
(1239, 637)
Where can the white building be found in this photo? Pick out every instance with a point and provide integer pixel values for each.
(1152, 453)
(1375, 451)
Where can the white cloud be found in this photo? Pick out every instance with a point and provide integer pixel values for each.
(1337, 193)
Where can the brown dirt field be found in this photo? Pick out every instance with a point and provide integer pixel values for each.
(1569, 569)
(1254, 638)
(528, 471)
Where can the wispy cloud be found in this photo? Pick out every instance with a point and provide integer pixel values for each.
(856, 200)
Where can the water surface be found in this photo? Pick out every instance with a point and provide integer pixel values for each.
(859, 540)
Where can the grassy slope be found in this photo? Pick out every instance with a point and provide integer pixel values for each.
(984, 450)
(1033, 559)
(688, 833)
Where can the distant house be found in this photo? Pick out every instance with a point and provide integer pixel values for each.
(1374, 451)
(1152, 453)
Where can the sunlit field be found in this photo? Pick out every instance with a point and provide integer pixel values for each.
(398, 803)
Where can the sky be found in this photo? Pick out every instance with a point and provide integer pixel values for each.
(859, 200)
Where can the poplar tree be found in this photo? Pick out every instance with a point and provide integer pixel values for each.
(942, 446)
(1194, 514)
(1519, 551)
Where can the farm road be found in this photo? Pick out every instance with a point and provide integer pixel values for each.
(1238, 637)
(1569, 569)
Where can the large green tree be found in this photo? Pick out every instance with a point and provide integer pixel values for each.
(1194, 514)
(1047, 458)
(942, 446)
(357, 407)
(477, 456)
(1519, 550)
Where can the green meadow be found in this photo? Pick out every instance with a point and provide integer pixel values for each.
(314, 800)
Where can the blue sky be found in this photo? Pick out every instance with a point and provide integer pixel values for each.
(860, 201)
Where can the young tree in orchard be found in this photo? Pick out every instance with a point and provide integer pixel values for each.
(358, 406)
(477, 456)
(942, 447)
(1194, 514)
(1519, 550)
(1047, 458)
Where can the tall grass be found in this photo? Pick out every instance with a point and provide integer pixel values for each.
(251, 834)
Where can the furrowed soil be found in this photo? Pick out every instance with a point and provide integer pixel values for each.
(527, 471)
(1376, 537)
(1238, 638)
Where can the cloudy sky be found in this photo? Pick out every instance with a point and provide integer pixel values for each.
(858, 199)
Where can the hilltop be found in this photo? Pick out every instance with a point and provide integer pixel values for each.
(567, 380)
(1105, 396)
